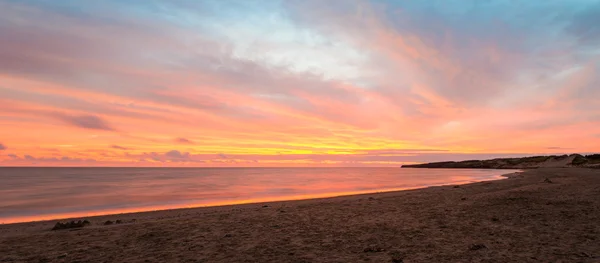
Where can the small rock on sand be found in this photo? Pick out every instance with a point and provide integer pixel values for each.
(372, 249)
(397, 257)
(477, 247)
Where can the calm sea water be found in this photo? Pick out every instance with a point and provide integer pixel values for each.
(29, 194)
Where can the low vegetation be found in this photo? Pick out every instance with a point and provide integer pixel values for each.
(519, 163)
(70, 225)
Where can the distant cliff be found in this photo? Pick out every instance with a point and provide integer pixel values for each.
(573, 160)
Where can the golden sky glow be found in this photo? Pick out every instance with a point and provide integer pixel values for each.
(295, 83)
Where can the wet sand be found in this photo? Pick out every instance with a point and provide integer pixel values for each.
(543, 215)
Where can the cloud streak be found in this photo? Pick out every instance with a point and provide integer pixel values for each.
(119, 147)
(90, 122)
(183, 140)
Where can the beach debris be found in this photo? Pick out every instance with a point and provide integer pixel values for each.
(371, 198)
(265, 206)
(62, 256)
(548, 181)
(477, 247)
(118, 222)
(71, 224)
(108, 222)
(397, 260)
(228, 235)
(495, 219)
(397, 257)
(456, 186)
(463, 199)
(585, 255)
(373, 249)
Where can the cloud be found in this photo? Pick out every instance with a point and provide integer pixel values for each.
(183, 141)
(173, 156)
(119, 147)
(91, 122)
(54, 160)
(558, 148)
(2, 147)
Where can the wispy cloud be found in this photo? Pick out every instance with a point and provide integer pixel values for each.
(119, 147)
(183, 141)
(558, 148)
(63, 159)
(91, 122)
(2, 147)
(172, 156)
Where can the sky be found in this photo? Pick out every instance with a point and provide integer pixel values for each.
(296, 82)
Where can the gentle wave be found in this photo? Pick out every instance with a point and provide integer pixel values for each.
(31, 194)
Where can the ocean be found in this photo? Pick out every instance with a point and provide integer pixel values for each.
(32, 194)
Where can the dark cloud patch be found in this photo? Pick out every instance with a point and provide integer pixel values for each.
(119, 147)
(558, 148)
(183, 140)
(13, 156)
(223, 156)
(90, 122)
(2, 147)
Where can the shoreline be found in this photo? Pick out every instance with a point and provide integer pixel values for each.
(542, 215)
(133, 212)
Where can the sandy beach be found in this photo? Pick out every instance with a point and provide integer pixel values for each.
(542, 215)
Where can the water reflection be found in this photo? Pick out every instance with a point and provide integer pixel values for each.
(30, 194)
